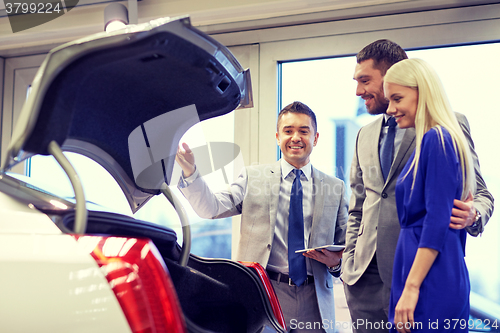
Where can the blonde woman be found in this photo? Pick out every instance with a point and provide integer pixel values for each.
(430, 287)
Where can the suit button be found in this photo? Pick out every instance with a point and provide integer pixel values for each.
(384, 195)
(269, 246)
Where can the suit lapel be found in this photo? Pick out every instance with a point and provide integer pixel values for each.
(405, 150)
(319, 203)
(373, 140)
(273, 177)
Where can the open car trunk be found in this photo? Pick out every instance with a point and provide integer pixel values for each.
(124, 99)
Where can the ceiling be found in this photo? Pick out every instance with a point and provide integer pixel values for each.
(213, 17)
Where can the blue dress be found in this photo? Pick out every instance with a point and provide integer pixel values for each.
(424, 215)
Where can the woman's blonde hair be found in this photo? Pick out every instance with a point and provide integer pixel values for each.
(433, 111)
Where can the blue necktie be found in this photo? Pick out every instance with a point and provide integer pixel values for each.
(296, 261)
(386, 151)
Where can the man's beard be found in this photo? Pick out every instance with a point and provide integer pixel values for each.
(380, 108)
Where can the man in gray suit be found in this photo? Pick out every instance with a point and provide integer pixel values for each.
(373, 227)
(262, 195)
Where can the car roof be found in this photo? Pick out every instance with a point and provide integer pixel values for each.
(124, 99)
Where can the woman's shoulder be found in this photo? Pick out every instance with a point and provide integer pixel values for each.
(437, 135)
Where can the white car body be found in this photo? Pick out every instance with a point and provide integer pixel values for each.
(49, 282)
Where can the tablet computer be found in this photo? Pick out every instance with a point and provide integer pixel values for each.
(334, 248)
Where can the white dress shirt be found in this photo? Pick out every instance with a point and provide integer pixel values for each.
(278, 259)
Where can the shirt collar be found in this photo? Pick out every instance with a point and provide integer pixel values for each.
(386, 117)
(286, 168)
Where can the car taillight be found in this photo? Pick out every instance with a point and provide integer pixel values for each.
(140, 282)
(271, 294)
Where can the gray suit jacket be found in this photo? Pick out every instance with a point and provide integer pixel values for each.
(259, 210)
(373, 225)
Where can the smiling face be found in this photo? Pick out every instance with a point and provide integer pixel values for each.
(296, 137)
(370, 87)
(403, 102)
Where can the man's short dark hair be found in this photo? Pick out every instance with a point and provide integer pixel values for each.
(298, 107)
(384, 53)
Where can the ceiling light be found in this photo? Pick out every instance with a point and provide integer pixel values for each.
(115, 17)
